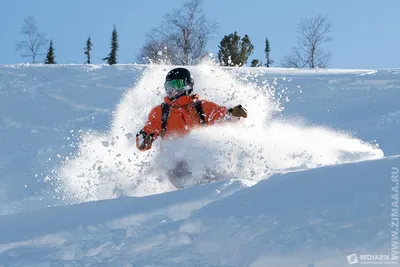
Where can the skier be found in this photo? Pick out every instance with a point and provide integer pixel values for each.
(182, 111)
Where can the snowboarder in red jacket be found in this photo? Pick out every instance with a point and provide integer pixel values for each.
(182, 111)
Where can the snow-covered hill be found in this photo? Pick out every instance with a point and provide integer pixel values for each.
(314, 168)
(317, 217)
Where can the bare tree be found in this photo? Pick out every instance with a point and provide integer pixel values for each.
(187, 31)
(157, 51)
(312, 34)
(295, 60)
(35, 40)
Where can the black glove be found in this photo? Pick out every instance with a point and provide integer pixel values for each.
(238, 111)
(146, 139)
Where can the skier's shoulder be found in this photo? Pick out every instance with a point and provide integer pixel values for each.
(156, 111)
(157, 108)
(208, 103)
(197, 98)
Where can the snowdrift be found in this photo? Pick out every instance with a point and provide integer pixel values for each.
(316, 216)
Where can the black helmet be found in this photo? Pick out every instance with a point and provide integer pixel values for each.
(178, 82)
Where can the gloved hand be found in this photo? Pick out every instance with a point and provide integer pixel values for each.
(238, 111)
(145, 140)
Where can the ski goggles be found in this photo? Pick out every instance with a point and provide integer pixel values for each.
(176, 87)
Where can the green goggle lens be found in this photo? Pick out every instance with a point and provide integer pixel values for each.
(176, 84)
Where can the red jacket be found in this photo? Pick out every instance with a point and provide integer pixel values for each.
(183, 117)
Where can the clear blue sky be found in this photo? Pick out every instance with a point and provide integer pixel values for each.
(366, 33)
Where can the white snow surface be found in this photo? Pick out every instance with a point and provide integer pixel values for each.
(307, 179)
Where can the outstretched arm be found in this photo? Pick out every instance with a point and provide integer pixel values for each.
(216, 113)
(151, 130)
(213, 112)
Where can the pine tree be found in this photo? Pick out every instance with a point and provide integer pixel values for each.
(267, 51)
(112, 56)
(234, 51)
(254, 63)
(246, 49)
(87, 49)
(50, 54)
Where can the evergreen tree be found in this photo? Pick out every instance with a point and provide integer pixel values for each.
(234, 51)
(87, 49)
(246, 49)
(50, 54)
(255, 63)
(112, 56)
(267, 51)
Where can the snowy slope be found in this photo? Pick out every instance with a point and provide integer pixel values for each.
(315, 217)
(66, 138)
(44, 110)
(40, 106)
